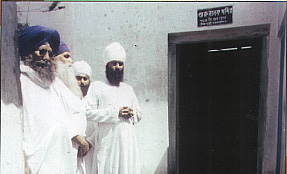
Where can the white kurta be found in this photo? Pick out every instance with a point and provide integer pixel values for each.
(92, 128)
(49, 125)
(116, 150)
(66, 74)
(75, 108)
(81, 163)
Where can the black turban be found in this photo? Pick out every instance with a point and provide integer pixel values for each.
(32, 37)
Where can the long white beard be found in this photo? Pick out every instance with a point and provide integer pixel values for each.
(65, 72)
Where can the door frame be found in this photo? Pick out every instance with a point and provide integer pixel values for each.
(256, 31)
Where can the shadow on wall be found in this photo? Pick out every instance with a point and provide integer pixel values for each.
(12, 161)
(162, 167)
(10, 71)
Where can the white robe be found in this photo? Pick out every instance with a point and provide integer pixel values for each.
(92, 128)
(81, 162)
(66, 74)
(49, 125)
(76, 108)
(116, 150)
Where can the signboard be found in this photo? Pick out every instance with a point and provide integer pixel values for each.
(214, 16)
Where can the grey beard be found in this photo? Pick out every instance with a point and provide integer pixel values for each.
(45, 69)
(66, 73)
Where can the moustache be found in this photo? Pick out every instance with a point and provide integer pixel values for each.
(117, 70)
(83, 86)
(43, 63)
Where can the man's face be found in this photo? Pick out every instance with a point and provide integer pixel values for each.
(83, 80)
(42, 61)
(65, 57)
(84, 83)
(115, 72)
(42, 55)
(116, 65)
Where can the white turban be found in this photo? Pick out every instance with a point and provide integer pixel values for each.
(113, 52)
(82, 67)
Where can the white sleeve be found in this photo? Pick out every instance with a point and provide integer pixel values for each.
(92, 132)
(92, 139)
(103, 115)
(78, 123)
(137, 111)
(76, 111)
(74, 108)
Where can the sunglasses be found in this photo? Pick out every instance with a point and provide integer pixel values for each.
(43, 52)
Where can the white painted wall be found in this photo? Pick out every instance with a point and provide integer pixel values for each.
(12, 158)
(142, 28)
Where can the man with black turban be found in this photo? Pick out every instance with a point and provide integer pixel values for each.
(50, 110)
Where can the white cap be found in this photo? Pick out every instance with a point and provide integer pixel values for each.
(82, 67)
(113, 52)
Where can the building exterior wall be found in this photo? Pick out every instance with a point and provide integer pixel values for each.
(142, 28)
(12, 160)
(284, 112)
(283, 104)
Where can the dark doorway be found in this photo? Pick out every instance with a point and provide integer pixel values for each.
(218, 97)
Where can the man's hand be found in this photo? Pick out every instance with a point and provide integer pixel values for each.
(126, 112)
(82, 152)
(84, 146)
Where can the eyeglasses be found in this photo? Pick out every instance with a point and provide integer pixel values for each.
(43, 52)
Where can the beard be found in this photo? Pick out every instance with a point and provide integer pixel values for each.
(46, 69)
(65, 72)
(114, 76)
(84, 89)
